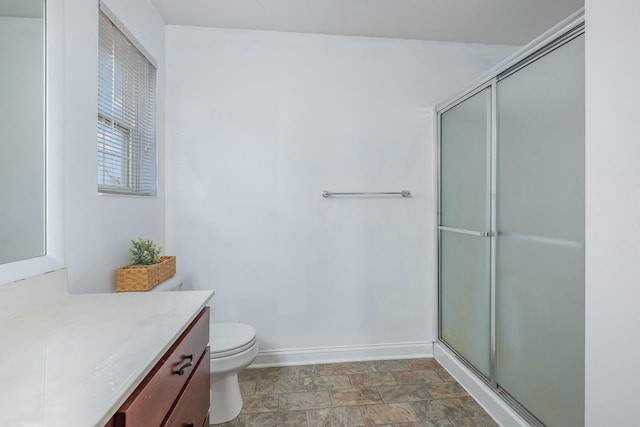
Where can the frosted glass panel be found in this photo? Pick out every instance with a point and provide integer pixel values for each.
(540, 328)
(541, 146)
(540, 243)
(465, 153)
(465, 297)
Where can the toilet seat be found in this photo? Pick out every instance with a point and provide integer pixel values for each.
(227, 339)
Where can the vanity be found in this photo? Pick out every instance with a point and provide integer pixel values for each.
(119, 359)
(176, 391)
(127, 359)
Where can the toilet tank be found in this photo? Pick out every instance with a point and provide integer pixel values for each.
(173, 283)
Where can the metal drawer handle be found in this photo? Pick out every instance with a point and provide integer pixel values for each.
(189, 362)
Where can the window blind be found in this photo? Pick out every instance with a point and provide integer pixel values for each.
(126, 126)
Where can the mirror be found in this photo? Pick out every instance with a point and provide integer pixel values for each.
(22, 130)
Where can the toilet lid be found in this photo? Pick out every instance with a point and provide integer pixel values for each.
(226, 339)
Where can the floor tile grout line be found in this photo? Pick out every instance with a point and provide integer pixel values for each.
(348, 370)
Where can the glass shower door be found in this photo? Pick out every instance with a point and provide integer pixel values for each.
(540, 241)
(464, 245)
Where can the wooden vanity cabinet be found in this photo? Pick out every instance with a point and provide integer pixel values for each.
(176, 391)
(194, 399)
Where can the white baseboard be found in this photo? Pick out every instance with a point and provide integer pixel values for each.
(351, 353)
(485, 396)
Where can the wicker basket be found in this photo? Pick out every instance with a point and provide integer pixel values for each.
(136, 277)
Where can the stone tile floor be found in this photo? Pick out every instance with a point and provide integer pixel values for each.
(402, 393)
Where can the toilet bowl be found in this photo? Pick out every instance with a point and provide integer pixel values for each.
(233, 347)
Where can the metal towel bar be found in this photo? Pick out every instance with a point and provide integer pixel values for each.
(403, 193)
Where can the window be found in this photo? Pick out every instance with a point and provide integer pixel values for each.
(126, 127)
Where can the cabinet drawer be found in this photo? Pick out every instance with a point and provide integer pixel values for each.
(193, 404)
(151, 401)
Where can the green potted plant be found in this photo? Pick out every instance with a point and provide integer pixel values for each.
(147, 267)
(144, 252)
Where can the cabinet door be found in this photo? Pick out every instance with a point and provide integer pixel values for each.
(149, 404)
(540, 242)
(192, 406)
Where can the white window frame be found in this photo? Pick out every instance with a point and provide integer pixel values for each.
(133, 115)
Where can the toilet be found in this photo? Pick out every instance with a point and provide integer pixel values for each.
(233, 347)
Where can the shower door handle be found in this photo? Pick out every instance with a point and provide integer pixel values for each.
(469, 232)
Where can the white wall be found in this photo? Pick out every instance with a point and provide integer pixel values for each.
(22, 135)
(98, 228)
(612, 213)
(259, 123)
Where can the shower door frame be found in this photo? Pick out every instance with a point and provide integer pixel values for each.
(490, 233)
(563, 33)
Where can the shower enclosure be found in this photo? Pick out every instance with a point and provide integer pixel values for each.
(511, 230)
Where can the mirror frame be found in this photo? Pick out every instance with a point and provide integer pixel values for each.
(54, 131)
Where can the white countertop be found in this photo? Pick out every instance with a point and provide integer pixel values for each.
(75, 361)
